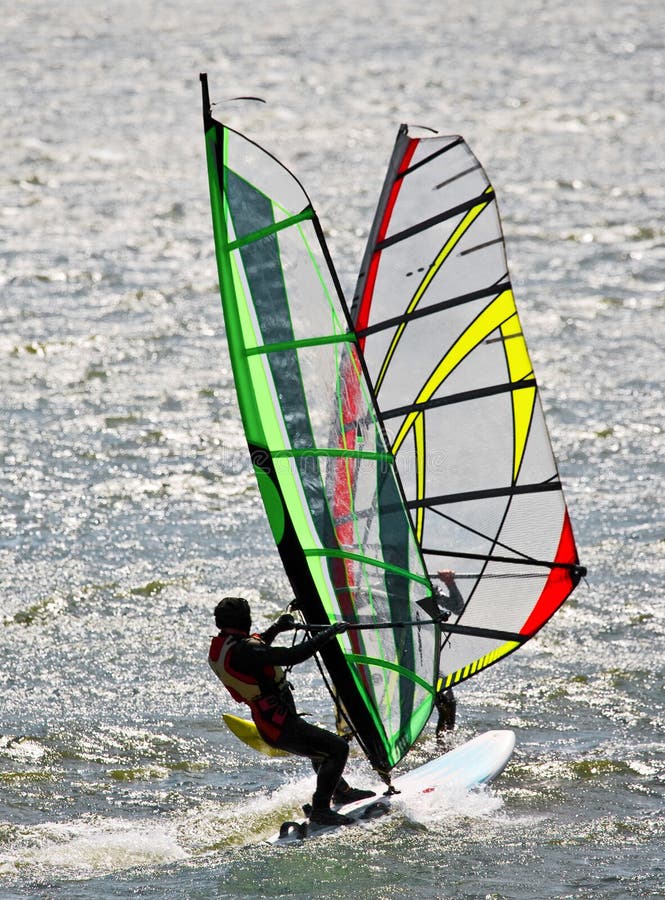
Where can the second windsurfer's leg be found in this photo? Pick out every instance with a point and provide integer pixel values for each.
(446, 706)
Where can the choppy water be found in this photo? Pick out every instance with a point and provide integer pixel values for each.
(128, 506)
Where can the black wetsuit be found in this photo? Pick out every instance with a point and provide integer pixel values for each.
(252, 660)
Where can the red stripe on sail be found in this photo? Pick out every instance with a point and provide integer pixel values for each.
(559, 584)
(342, 570)
(366, 301)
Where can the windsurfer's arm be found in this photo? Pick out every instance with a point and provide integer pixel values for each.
(249, 654)
(285, 622)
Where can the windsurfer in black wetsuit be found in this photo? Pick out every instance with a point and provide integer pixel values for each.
(445, 702)
(249, 667)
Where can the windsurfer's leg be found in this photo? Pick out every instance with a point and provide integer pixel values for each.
(343, 792)
(327, 751)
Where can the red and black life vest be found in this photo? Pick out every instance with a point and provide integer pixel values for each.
(265, 691)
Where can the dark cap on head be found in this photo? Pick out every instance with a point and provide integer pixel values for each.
(233, 612)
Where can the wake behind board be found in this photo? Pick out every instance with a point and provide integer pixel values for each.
(470, 765)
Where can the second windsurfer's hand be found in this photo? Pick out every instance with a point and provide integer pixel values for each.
(339, 627)
(447, 576)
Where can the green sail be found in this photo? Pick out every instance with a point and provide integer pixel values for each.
(328, 482)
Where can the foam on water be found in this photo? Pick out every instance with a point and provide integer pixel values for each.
(90, 847)
(448, 808)
(94, 846)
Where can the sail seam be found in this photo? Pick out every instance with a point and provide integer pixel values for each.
(460, 397)
(481, 200)
(489, 633)
(280, 346)
(482, 246)
(368, 560)
(512, 560)
(418, 312)
(427, 159)
(457, 176)
(394, 667)
(270, 229)
(508, 491)
(332, 451)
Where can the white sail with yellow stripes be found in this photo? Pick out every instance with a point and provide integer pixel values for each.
(436, 321)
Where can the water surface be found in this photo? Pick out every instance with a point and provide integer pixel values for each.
(128, 505)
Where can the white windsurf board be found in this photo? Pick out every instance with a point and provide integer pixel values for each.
(470, 765)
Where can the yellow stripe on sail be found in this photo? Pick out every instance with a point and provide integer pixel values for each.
(519, 367)
(419, 439)
(478, 664)
(491, 318)
(441, 257)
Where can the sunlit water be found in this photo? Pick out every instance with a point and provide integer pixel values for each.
(128, 506)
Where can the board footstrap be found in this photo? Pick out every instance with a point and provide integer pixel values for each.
(293, 829)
